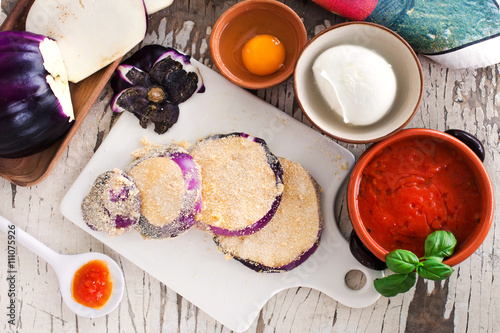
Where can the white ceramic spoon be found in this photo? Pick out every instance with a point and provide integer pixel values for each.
(65, 267)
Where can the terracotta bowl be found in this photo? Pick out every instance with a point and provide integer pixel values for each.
(394, 49)
(428, 137)
(245, 20)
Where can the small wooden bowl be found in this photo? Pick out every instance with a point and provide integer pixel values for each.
(478, 234)
(31, 170)
(245, 20)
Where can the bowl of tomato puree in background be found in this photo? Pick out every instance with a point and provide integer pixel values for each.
(255, 43)
(415, 182)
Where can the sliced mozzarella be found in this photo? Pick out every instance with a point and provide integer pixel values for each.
(358, 84)
(90, 34)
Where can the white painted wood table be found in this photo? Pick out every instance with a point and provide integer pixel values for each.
(467, 302)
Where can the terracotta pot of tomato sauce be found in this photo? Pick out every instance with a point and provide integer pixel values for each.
(413, 183)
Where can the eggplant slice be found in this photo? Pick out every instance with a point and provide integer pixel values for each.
(90, 34)
(170, 185)
(292, 235)
(242, 183)
(113, 205)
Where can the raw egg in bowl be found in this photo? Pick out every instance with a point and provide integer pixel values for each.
(416, 182)
(358, 82)
(255, 43)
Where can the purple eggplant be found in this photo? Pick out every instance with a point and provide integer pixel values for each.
(152, 83)
(292, 235)
(35, 101)
(242, 183)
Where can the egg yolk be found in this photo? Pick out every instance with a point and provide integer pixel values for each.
(263, 55)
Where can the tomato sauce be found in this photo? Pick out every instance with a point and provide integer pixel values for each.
(414, 187)
(92, 284)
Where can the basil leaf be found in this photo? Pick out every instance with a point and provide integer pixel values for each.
(440, 243)
(401, 261)
(394, 284)
(432, 269)
(440, 259)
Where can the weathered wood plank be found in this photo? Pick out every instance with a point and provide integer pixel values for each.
(467, 302)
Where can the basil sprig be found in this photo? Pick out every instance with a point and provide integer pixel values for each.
(438, 245)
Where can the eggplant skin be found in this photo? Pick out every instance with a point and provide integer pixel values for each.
(152, 83)
(261, 268)
(31, 116)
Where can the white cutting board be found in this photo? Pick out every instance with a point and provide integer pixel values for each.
(190, 264)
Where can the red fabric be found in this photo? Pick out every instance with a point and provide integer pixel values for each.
(356, 10)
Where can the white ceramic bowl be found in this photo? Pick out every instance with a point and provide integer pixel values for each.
(386, 43)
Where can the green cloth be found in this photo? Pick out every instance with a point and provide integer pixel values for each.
(439, 26)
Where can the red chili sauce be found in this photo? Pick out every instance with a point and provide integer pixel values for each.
(414, 187)
(92, 284)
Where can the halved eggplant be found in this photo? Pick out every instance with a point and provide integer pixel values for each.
(113, 205)
(292, 235)
(169, 182)
(242, 183)
(35, 101)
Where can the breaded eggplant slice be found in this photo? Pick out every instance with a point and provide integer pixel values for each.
(169, 182)
(291, 236)
(242, 183)
(113, 205)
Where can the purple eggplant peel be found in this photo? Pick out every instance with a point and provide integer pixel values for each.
(152, 83)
